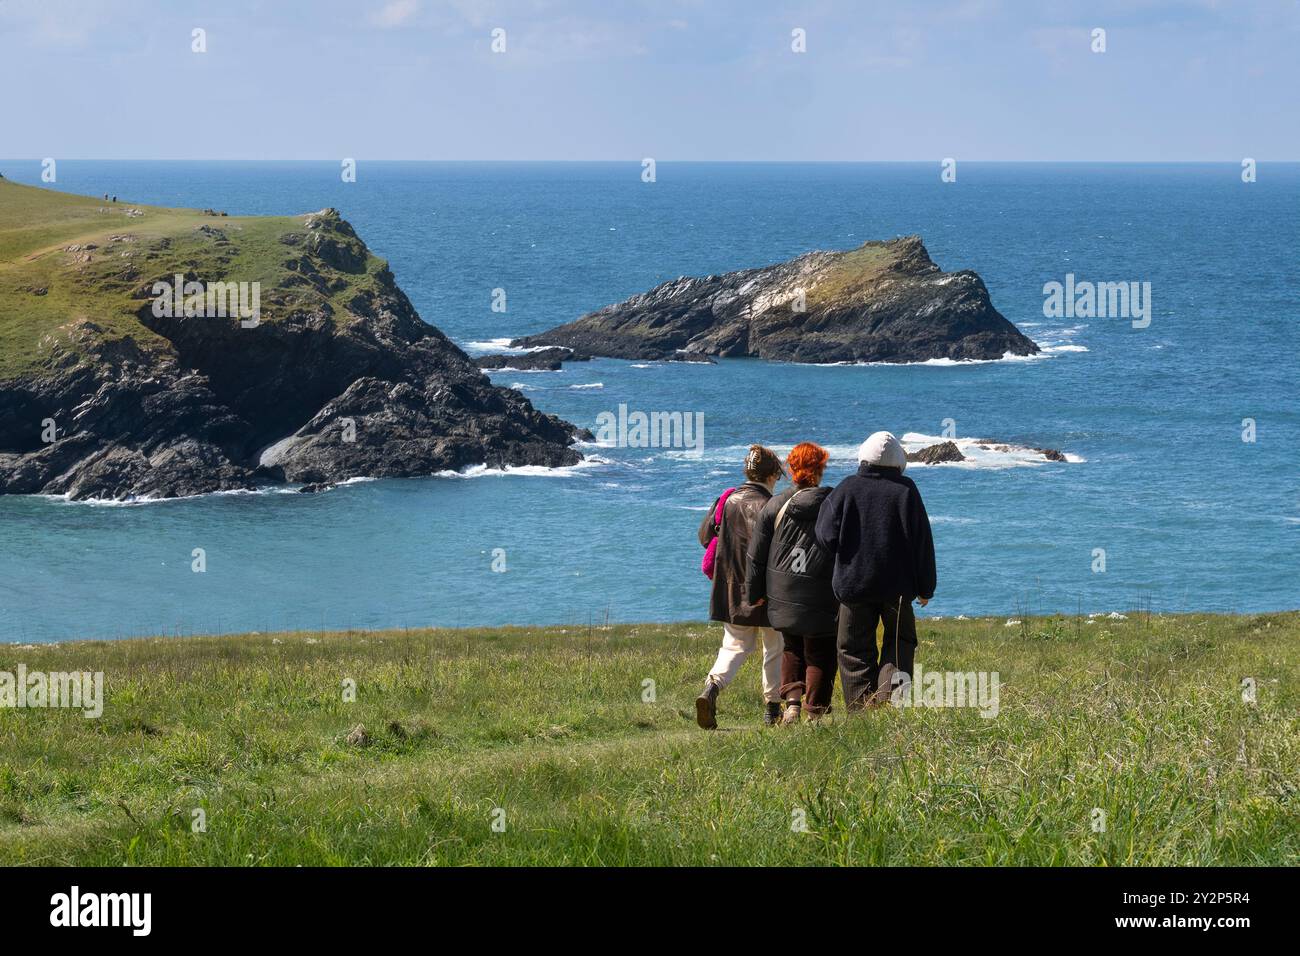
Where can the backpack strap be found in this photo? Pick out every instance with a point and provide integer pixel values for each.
(781, 514)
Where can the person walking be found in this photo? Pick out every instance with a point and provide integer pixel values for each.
(875, 525)
(790, 573)
(725, 531)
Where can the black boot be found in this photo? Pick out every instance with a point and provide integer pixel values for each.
(771, 713)
(706, 706)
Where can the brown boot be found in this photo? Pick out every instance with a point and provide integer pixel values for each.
(884, 688)
(706, 706)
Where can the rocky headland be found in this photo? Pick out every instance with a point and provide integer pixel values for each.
(105, 395)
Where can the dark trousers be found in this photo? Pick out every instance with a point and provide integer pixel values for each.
(860, 659)
(808, 670)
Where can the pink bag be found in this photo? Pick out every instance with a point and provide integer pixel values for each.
(711, 552)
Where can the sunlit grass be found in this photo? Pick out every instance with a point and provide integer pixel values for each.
(550, 731)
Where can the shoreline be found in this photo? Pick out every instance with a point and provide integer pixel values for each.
(1008, 621)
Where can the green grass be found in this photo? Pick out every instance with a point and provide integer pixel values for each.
(1142, 718)
(851, 273)
(48, 294)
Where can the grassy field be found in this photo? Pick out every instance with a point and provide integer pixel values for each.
(554, 735)
(73, 267)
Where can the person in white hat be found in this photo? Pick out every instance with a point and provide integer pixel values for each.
(875, 525)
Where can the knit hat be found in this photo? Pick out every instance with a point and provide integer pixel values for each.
(883, 448)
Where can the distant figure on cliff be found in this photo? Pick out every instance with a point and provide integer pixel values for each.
(725, 533)
(875, 525)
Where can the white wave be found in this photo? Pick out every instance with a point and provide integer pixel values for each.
(589, 385)
(642, 365)
(939, 362)
(735, 454)
(136, 500)
(540, 471)
(521, 387)
(994, 455)
(491, 345)
(503, 347)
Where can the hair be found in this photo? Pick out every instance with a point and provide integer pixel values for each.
(807, 461)
(761, 464)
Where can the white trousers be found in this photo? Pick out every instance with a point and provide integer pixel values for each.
(737, 644)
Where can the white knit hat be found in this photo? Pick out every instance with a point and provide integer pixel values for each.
(883, 448)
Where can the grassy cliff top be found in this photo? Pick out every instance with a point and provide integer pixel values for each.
(1142, 717)
(67, 260)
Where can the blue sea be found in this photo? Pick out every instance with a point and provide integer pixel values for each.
(1188, 514)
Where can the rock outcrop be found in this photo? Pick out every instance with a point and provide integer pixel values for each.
(541, 360)
(950, 452)
(937, 454)
(338, 378)
(882, 302)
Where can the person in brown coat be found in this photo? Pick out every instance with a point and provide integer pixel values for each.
(744, 625)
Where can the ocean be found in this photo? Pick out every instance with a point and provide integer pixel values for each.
(1162, 487)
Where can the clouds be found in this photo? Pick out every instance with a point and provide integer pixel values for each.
(676, 79)
(395, 13)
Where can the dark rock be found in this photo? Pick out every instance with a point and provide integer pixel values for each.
(543, 360)
(937, 454)
(882, 302)
(1051, 454)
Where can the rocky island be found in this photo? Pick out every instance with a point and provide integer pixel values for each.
(881, 302)
(125, 371)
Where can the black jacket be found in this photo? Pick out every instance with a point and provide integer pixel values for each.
(875, 525)
(789, 568)
(727, 598)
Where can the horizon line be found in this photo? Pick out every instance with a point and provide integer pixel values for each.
(638, 161)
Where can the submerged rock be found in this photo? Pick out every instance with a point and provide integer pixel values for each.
(882, 302)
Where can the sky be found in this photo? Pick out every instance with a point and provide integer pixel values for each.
(1016, 80)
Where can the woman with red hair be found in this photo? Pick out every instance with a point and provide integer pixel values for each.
(791, 573)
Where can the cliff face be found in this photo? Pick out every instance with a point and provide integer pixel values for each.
(882, 302)
(102, 395)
